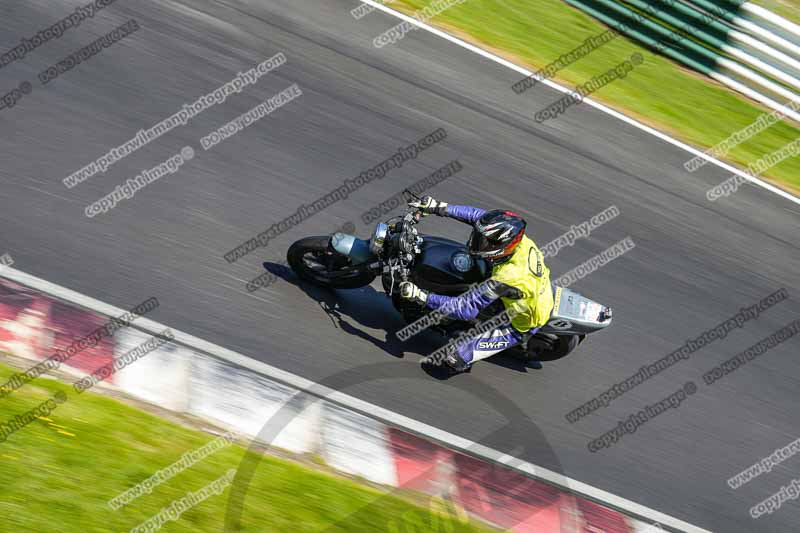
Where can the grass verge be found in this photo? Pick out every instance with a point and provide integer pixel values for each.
(58, 473)
(659, 92)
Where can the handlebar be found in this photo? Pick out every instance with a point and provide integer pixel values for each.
(404, 240)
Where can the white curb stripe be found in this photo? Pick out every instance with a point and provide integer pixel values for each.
(376, 412)
(596, 105)
(771, 17)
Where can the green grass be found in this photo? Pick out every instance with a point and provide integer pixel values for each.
(788, 9)
(57, 475)
(659, 92)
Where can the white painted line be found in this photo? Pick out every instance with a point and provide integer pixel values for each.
(393, 419)
(771, 17)
(596, 105)
(759, 31)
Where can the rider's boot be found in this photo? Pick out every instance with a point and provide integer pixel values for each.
(456, 363)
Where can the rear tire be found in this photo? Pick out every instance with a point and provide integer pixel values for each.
(553, 347)
(311, 259)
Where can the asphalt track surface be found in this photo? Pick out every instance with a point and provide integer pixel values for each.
(695, 262)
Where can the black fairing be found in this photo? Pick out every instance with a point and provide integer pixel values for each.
(433, 270)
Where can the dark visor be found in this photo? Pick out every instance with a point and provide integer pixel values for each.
(480, 245)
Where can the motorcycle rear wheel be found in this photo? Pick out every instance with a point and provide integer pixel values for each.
(314, 261)
(547, 347)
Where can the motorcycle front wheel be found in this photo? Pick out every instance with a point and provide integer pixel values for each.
(314, 261)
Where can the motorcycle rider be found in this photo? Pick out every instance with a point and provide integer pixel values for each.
(519, 279)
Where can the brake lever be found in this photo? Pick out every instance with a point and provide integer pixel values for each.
(414, 196)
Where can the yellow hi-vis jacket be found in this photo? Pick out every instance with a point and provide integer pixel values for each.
(527, 272)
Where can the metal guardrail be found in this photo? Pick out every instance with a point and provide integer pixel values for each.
(757, 54)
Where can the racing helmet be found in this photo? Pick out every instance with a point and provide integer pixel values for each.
(496, 235)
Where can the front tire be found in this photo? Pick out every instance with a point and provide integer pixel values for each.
(313, 260)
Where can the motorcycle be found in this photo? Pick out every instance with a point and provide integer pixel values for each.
(397, 252)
